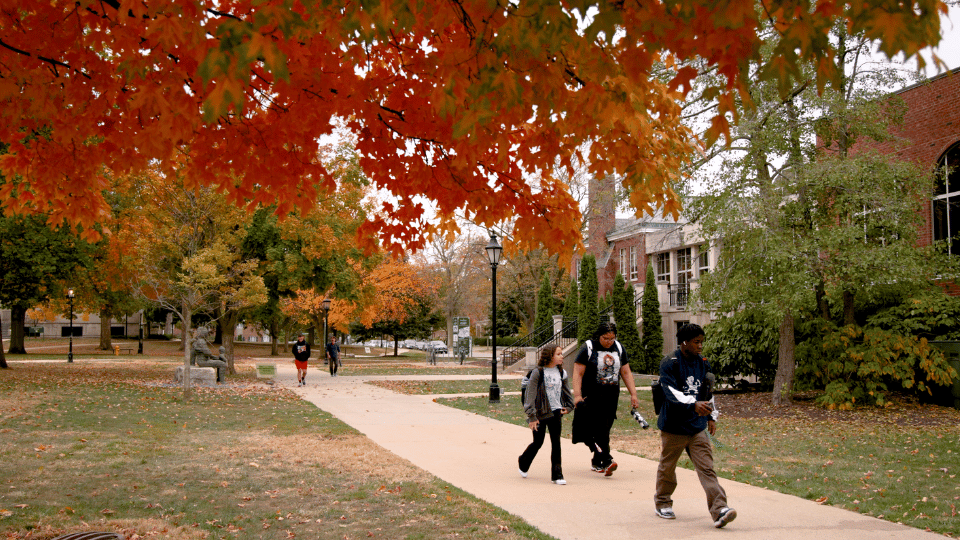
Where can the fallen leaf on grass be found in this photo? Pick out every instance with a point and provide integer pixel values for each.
(822, 500)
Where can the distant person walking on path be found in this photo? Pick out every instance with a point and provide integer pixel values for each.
(546, 399)
(333, 355)
(301, 353)
(600, 365)
(687, 414)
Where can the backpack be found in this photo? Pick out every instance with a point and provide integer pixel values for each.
(658, 398)
(523, 387)
(590, 348)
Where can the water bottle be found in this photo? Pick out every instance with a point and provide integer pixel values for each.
(639, 418)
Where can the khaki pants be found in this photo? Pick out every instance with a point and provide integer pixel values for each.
(701, 454)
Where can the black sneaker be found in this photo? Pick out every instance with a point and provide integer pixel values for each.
(610, 468)
(666, 513)
(726, 516)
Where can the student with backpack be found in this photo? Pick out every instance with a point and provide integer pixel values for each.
(546, 398)
(600, 365)
(685, 418)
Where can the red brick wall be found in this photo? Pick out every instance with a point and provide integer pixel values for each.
(931, 125)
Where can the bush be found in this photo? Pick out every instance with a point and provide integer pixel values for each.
(743, 344)
(856, 366)
(933, 316)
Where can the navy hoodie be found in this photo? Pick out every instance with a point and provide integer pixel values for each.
(682, 379)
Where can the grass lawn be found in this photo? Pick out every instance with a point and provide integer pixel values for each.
(112, 445)
(899, 464)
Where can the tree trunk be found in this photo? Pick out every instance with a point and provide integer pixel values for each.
(219, 330)
(849, 308)
(822, 304)
(18, 316)
(226, 329)
(105, 338)
(274, 337)
(187, 390)
(786, 363)
(3, 359)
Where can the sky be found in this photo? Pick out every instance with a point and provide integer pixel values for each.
(949, 48)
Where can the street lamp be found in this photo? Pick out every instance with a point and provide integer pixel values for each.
(494, 250)
(326, 318)
(140, 335)
(70, 299)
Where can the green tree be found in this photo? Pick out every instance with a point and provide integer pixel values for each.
(571, 306)
(35, 260)
(545, 311)
(625, 313)
(804, 220)
(588, 317)
(652, 339)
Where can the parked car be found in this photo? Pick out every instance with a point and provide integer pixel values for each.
(438, 346)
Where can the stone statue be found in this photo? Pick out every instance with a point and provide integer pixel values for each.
(203, 357)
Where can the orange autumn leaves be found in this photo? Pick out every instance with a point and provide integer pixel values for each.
(461, 103)
(386, 294)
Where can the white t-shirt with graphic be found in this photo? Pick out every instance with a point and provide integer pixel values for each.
(553, 384)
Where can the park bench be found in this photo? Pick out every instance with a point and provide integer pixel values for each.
(117, 349)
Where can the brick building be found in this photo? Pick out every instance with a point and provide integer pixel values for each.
(930, 136)
(629, 245)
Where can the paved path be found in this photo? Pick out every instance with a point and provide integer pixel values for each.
(479, 456)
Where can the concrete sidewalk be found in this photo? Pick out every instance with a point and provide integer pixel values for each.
(479, 456)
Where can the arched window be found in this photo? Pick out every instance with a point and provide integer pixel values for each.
(946, 199)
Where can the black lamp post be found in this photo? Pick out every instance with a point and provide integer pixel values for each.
(70, 299)
(140, 335)
(494, 250)
(326, 325)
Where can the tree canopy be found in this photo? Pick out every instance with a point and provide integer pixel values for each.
(451, 101)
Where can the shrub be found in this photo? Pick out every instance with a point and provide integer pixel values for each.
(855, 366)
(933, 316)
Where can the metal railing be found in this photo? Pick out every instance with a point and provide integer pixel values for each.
(679, 294)
(514, 353)
(545, 335)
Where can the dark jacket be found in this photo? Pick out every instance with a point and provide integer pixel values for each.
(301, 351)
(536, 404)
(682, 380)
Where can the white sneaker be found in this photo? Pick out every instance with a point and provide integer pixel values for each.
(726, 516)
(560, 482)
(523, 474)
(666, 513)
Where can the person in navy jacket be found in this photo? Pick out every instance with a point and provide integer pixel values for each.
(688, 413)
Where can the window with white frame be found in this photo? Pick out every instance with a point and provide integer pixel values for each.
(633, 263)
(623, 262)
(704, 260)
(684, 266)
(946, 200)
(663, 267)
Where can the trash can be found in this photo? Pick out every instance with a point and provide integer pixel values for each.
(949, 395)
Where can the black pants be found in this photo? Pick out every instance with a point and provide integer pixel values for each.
(599, 442)
(334, 364)
(553, 424)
